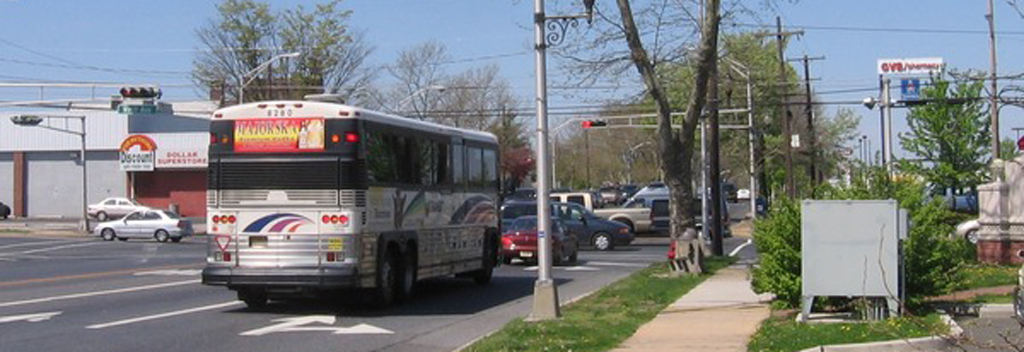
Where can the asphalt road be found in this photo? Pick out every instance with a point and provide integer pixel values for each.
(64, 294)
(990, 333)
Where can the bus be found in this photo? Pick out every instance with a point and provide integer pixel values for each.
(315, 197)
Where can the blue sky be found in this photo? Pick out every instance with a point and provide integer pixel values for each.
(36, 36)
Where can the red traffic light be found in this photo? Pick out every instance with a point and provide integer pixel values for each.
(141, 92)
(587, 124)
(1020, 144)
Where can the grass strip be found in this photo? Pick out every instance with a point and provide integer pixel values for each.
(783, 334)
(978, 276)
(603, 320)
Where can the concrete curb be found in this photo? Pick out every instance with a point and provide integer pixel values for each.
(927, 343)
(995, 309)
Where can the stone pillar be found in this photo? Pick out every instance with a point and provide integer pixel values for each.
(1001, 238)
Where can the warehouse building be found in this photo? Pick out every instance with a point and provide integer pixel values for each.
(157, 158)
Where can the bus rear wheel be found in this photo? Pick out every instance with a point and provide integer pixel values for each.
(387, 280)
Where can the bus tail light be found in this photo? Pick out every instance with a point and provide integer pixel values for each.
(231, 219)
(343, 220)
(335, 139)
(326, 219)
(351, 137)
(331, 256)
(216, 219)
(334, 219)
(213, 138)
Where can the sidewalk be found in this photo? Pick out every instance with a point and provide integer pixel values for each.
(720, 314)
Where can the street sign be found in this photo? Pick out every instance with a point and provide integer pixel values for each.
(794, 141)
(130, 109)
(910, 89)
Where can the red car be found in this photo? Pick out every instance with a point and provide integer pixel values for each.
(520, 241)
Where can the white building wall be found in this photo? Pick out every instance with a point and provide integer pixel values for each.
(54, 182)
(7, 179)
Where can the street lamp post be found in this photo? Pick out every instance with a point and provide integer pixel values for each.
(401, 105)
(242, 82)
(36, 120)
(545, 294)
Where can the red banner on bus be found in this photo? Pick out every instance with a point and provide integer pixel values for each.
(279, 135)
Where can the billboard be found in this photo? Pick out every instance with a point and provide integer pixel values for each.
(915, 66)
(137, 153)
(279, 135)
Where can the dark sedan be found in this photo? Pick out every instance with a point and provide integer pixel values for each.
(590, 229)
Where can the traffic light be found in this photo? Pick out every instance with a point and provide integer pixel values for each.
(141, 92)
(1020, 144)
(594, 123)
(26, 120)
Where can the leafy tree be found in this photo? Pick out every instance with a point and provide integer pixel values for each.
(949, 138)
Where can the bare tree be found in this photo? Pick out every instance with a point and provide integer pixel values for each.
(676, 148)
(247, 33)
(417, 70)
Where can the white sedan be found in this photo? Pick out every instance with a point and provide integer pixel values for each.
(968, 230)
(161, 225)
(114, 207)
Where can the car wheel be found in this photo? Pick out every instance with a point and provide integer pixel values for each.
(108, 234)
(254, 299)
(175, 239)
(972, 236)
(603, 242)
(102, 216)
(558, 257)
(161, 236)
(574, 258)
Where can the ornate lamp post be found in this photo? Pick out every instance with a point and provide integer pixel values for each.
(545, 294)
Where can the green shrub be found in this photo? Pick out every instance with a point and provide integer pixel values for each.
(932, 258)
(777, 238)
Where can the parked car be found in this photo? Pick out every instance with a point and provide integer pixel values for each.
(114, 207)
(161, 225)
(661, 218)
(520, 241)
(743, 194)
(730, 192)
(5, 211)
(630, 190)
(590, 229)
(968, 230)
(637, 218)
(611, 195)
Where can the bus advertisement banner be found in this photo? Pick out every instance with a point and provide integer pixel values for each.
(279, 135)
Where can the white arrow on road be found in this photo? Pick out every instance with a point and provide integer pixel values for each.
(296, 325)
(32, 318)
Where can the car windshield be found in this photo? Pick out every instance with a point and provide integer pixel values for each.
(524, 224)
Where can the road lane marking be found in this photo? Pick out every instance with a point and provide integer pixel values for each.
(738, 249)
(295, 324)
(163, 315)
(97, 293)
(32, 318)
(49, 249)
(92, 275)
(192, 272)
(626, 265)
(36, 243)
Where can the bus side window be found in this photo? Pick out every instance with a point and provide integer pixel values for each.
(458, 166)
(442, 164)
(474, 160)
(491, 169)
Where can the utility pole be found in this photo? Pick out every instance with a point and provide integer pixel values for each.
(787, 134)
(715, 172)
(586, 148)
(994, 103)
(809, 111)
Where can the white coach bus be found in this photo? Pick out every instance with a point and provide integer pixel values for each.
(309, 197)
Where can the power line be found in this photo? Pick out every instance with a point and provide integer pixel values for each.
(878, 29)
